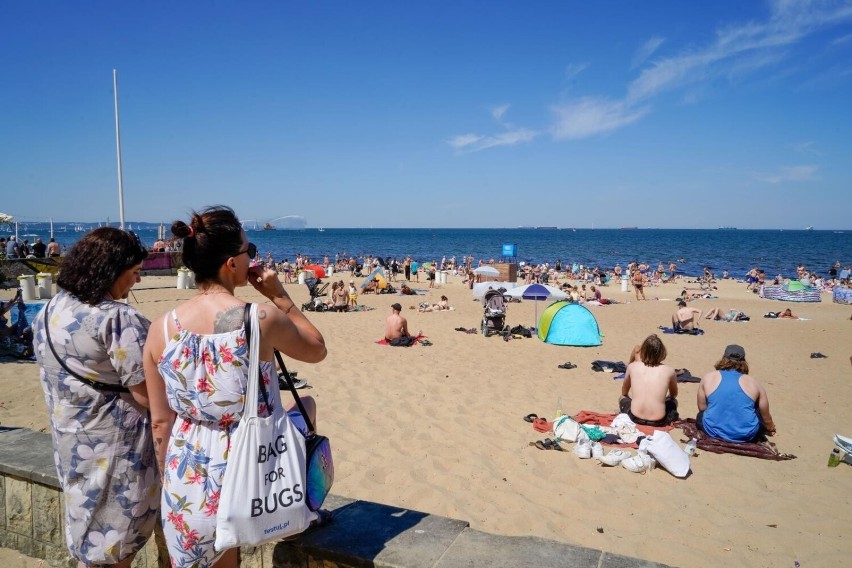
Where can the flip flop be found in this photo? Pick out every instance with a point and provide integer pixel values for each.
(568, 365)
(818, 355)
(542, 425)
(530, 417)
(542, 444)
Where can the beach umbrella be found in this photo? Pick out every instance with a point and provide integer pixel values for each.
(537, 293)
(318, 270)
(486, 270)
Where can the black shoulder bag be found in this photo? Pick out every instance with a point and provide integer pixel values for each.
(320, 467)
(103, 387)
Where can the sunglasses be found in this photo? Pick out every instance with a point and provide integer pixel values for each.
(251, 250)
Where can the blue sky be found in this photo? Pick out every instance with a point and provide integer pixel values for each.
(432, 114)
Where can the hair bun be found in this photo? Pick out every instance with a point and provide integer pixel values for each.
(182, 230)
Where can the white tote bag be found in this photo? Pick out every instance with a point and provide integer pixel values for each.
(668, 454)
(263, 491)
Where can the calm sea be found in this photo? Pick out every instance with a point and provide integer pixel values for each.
(777, 252)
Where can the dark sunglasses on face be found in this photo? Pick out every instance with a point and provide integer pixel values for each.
(251, 250)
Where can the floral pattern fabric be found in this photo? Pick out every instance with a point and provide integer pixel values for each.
(102, 442)
(205, 378)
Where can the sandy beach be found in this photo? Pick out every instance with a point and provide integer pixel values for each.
(440, 428)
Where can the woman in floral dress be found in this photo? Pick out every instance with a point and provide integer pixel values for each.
(196, 362)
(101, 431)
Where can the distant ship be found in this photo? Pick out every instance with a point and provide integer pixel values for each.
(809, 228)
(630, 228)
(268, 227)
(321, 230)
(721, 228)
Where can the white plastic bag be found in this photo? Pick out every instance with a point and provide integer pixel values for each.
(566, 429)
(668, 454)
(263, 489)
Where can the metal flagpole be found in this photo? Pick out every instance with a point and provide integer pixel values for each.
(118, 151)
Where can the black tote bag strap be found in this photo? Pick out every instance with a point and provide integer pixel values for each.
(308, 422)
(247, 324)
(94, 384)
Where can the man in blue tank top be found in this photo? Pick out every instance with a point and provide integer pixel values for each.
(732, 405)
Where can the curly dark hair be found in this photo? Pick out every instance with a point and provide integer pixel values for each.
(93, 264)
(211, 237)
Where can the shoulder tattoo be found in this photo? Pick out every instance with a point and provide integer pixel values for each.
(229, 320)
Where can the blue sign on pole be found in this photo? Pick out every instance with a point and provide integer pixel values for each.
(510, 250)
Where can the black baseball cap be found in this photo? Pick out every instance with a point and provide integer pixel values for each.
(735, 352)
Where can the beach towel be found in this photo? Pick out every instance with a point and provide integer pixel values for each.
(682, 331)
(414, 341)
(763, 449)
(360, 308)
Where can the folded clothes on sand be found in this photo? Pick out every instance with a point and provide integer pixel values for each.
(609, 366)
(682, 331)
(608, 420)
(684, 376)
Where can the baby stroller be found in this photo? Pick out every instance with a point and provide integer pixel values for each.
(494, 316)
(317, 290)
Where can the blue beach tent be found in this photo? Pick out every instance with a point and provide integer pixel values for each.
(566, 323)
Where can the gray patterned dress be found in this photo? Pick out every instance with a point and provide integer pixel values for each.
(102, 442)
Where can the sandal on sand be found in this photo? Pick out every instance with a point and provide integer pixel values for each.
(818, 355)
(568, 365)
(542, 425)
(548, 444)
(530, 417)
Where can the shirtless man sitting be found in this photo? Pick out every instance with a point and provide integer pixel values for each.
(396, 328)
(654, 386)
(685, 318)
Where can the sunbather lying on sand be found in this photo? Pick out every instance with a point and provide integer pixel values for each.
(444, 304)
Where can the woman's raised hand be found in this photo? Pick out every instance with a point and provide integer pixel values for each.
(265, 280)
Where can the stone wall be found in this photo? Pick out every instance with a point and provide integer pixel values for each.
(362, 533)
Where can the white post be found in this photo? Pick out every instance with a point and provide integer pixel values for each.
(118, 151)
(51, 227)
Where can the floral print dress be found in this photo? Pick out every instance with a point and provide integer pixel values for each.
(102, 442)
(205, 378)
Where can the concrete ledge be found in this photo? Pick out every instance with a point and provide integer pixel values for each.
(362, 533)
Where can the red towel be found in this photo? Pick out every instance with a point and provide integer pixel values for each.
(416, 340)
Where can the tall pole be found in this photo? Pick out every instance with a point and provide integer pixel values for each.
(118, 151)
(51, 227)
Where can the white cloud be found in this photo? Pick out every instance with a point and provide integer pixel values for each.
(647, 49)
(807, 147)
(476, 142)
(734, 54)
(574, 69)
(498, 112)
(789, 174)
(589, 116)
(842, 40)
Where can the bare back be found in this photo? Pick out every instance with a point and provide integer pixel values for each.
(395, 326)
(650, 386)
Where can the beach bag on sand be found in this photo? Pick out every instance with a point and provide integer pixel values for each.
(566, 429)
(263, 491)
(668, 454)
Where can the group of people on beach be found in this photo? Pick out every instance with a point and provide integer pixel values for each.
(732, 405)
